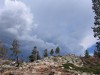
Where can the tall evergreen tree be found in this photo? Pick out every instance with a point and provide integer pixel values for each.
(51, 52)
(3, 50)
(98, 49)
(87, 54)
(95, 53)
(96, 28)
(16, 51)
(34, 55)
(38, 55)
(57, 51)
(45, 53)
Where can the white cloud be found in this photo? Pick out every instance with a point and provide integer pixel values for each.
(16, 20)
(88, 40)
(64, 23)
(67, 23)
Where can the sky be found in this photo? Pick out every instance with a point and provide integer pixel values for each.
(48, 24)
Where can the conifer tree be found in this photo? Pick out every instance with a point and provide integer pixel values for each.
(45, 53)
(34, 55)
(51, 52)
(95, 53)
(15, 50)
(87, 54)
(3, 50)
(57, 51)
(38, 55)
(96, 28)
(98, 49)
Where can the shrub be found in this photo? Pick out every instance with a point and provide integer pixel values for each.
(91, 69)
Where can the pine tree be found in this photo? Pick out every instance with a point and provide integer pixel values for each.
(57, 51)
(45, 53)
(98, 49)
(87, 54)
(51, 52)
(16, 51)
(31, 58)
(95, 53)
(3, 50)
(96, 28)
(38, 55)
(34, 55)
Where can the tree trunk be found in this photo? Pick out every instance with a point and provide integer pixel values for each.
(17, 62)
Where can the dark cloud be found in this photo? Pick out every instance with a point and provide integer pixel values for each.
(66, 23)
(16, 22)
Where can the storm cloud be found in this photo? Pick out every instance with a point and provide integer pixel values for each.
(17, 22)
(48, 24)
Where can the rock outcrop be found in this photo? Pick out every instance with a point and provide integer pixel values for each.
(47, 66)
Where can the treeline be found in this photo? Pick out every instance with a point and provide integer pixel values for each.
(36, 56)
(96, 53)
(4, 52)
(96, 28)
(15, 52)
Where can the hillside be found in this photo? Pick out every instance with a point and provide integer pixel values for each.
(47, 66)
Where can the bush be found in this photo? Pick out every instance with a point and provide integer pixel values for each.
(92, 69)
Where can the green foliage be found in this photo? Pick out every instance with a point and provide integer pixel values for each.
(82, 69)
(3, 50)
(97, 50)
(51, 52)
(68, 65)
(15, 47)
(34, 55)
(95, 53)
(31, 58)
(38, 56)
(15, 50)
(91, 64)
(57, 51)
(96, 28)
(45, 53)
(87, 54)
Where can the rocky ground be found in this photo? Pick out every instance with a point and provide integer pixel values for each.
(46, 66)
